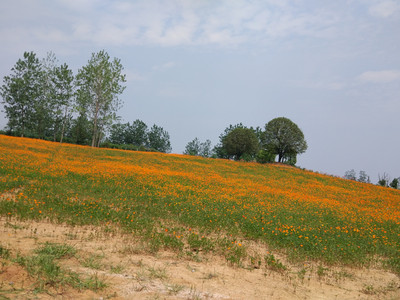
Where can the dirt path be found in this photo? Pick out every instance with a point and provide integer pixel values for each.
(131, 272)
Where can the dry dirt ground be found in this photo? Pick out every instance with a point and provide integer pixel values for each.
(131, 272)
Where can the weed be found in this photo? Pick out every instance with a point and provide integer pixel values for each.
(274, 264)
(93, 261)
(56, 250)
(210, 275)
(4, 252)
(117, 269)
(174, 289)
(321, 271)
(369, 290)
(157, 273)
(14, 226)
(302, 273)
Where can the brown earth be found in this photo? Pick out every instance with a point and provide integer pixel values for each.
(131, 272)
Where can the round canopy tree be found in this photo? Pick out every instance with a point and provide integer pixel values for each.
(284, 138)
(241, 142)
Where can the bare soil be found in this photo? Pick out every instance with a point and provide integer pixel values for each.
(132, 272)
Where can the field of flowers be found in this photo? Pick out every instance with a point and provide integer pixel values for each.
(183, 202)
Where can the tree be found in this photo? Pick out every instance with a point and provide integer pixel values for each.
(20, 92)
(363, 177)
(63, 99)
(118, 133)
(263, 157)
(284, 138)
(197, 148)
(158, 139)
(351, 175)
(137, 133)
(80, 130)
(193, 147)
(219, 149)
(395, 183)
(99, 84)
(241, 143)
(383, 180)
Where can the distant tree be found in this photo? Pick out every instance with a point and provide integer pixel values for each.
(79, 132)
(383, 180)
(284, 138)
(351, 175)
(137, 133)
(241, 143)
(395, 183)
(198, 148)
(21, 94)
(363, 177)
(205, 149)
(158, 139)
(118, 133)
(193, 147)
(99, 84)
(219, 149)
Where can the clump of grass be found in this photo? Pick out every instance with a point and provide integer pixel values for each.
(4, 252)
(157, 273)
(274, 264)
(44, 268)
(197, 243)
(56, 251)
(321, 271)
(93, 262)
(174, 289)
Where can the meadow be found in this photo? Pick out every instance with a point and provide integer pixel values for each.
(190, 204)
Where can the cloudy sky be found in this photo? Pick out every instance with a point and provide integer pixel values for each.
(196, 66)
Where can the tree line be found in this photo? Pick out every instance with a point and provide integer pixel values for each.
(383, 180)
(44, 99)
(281, 139)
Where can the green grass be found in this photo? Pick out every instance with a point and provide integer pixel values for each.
(44, 268)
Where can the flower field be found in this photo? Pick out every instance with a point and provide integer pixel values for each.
(183, 202)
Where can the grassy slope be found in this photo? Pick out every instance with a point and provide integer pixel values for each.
(181, 202)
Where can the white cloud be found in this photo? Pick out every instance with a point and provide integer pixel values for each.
(384, 76)
(165, 66)
(175, 22)
(384, 9)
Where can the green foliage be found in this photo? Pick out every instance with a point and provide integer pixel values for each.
(198, 243)
(241, 143)
(99, 84)
(158, 139)
(395, 183)
(4, 252)
(264, 156)
(55, 250)
(274, 264)
(21, 94)
(284, 138)
(198, 148)
(38, 97)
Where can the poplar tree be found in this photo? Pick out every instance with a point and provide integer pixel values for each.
(99, 85)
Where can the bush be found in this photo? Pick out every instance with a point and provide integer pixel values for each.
(264, 156)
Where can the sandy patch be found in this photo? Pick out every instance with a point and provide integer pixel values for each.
(131, 272)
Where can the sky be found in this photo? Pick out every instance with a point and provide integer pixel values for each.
(196, 66)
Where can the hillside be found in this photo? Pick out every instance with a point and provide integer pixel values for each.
(245, 214)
